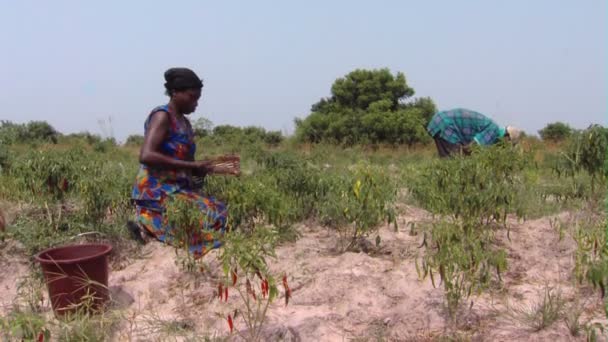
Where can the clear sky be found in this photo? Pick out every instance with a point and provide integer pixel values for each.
(522, 62)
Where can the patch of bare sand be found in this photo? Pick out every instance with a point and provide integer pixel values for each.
(15, 267)
(13, 262)
(344, 296)
(336, 296)
(538, 260)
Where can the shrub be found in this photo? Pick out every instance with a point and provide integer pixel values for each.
(556, 131)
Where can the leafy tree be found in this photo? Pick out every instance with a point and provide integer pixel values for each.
(313, 128)
(225, 130)
(202, 127)
(556, 131)
(254, 133)
(246, 135)
(368, 106)
(9, 132)
(426, 105)
(360, 88)
(40, 130)
(33, 131)
(273, 138)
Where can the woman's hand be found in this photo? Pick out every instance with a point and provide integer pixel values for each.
(227, 165)
(202, 167)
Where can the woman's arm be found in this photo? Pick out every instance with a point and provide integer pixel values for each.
(150, 151)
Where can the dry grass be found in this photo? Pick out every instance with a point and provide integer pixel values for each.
(542, 313)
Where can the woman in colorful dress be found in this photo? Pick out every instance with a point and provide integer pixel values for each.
(168, 168)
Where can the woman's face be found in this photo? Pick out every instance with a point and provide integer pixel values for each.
(187, 100)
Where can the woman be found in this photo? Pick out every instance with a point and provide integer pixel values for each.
(454, 131)
(168, 166)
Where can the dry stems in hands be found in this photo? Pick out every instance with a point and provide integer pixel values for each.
(228, 164)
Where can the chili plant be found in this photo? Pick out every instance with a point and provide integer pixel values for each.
(254, 199)
(187, 220)
(46, 174)
(586, 151)
(369, 202)
(244, 262)
(468, 194)
(47, 177)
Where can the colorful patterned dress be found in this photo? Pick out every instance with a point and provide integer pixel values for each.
(155, 186)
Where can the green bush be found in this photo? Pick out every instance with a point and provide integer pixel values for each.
(556, 131)
(476, 189)
(33, 131)
(44, 174)
(586, 151)
(367, 106)
(84, 137)
(232, 135)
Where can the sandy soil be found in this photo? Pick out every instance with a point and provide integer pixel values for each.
(15, 268)
(13, 262)
(346, 296)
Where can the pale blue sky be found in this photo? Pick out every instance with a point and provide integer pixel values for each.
(522, 62)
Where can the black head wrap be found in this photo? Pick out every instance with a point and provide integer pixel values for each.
(182, 78)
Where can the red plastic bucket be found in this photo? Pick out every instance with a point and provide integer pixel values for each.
(76, 277)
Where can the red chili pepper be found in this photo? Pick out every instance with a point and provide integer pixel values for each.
(234, 277)
(265, 288)
(230, 323)
(226, 294)
(287, 290)
(220, 290)
(41, 336)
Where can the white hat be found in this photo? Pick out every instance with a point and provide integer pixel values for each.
(514, 133)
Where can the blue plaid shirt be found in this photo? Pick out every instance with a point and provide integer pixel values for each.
(461, 126)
